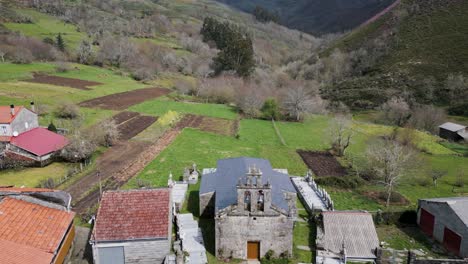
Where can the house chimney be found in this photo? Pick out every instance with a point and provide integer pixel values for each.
(33, 107)
(12, 110)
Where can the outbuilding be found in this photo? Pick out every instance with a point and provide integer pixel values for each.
(446, 220)
(133, 226)
(453, 132)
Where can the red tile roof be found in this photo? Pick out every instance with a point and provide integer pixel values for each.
(39, 141)
(5, 138)
(135, 214)
(13, 253)
(24, 190)
(5, 114)
(33, 225)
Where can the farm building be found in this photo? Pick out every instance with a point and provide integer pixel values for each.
(453, 132)
(133, 226)
(22, 139)
(36, 226)
(248, 193)
(346, 236)
(446, 220)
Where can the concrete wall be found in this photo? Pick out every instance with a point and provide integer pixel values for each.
(5, 130)
(138, 252)
(233, 232)
(445, 217)
(24, 121)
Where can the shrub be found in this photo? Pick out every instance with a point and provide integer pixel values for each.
(270, 258)
(341, 182)
(62, 66)
(270, 109)
(460, 109)
(408, 217)
(67, 110)
(52, 127)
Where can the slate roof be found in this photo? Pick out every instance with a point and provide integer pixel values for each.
(356, 229)
(459, 205)
(452, 126)
(5, 114)
(31, 225)
(39, 141)
(226, 177)
(133, 215)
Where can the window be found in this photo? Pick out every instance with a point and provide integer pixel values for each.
(261, 201)
(4, 130)
(26, 125)
(247, 200)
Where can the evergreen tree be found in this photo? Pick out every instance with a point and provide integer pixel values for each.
(60, 42)
(270, 109)
(52, 127)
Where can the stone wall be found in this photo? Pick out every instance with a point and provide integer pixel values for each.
(233, 232)
(207, 203)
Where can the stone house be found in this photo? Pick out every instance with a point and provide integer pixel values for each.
(23, 140)
(36, 226)
(446, 220)
(254, 207)
(133, 226)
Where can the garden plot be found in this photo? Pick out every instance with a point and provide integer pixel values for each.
(210, 124)
(63, 81)
(131, 124)
(322, 163)
(121, 101)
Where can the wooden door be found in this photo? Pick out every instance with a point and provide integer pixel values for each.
(253, 250)
(452, 241)
(426, 222)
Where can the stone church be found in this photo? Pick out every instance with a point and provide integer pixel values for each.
(254, 207)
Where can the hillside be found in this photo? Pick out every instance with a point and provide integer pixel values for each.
(317, 16)
(423, 43)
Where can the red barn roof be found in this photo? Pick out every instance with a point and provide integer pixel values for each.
(32, 225)
(134, 214)
(39, 141)
(5, 114)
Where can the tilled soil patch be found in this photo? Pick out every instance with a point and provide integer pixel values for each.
(124, 116)
(209, 124)
(135, 125)
(322, 163)
(62, 81)
(120, 101)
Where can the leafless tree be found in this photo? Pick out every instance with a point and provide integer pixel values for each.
(389, 159)
(2, 55)
(85, 52)
(395, 111)
(437, 174)
(106, 134)
(427, 118)
(457, 86)
(340, 134)
(79, 149)
(67, 110)
(298, 101)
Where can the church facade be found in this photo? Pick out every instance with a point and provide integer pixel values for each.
(254, 207)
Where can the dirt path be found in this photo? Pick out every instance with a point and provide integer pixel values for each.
(118, 165)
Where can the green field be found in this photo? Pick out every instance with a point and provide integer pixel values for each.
(48, 26)
(33, 176)
(162, 105)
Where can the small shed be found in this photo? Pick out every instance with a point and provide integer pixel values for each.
(133, 227)
(346, 236)
(446, 220)
(453, 132)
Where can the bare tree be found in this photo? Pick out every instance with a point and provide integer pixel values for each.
(2, 55)
(298, 101)
(341, 134)
(79, 149)
(395, 111)
(85, 52)
(437, 174)
(389, 159)
(427, 118)
(107, 133)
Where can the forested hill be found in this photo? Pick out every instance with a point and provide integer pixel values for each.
(317, 16)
